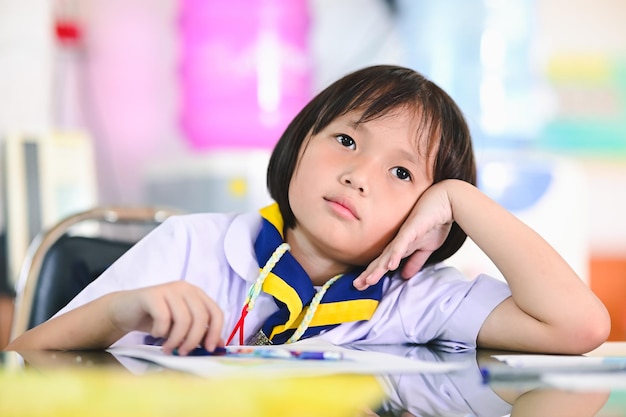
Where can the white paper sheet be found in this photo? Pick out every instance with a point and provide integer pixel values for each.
(586, 381)
(557, 370)
(561, 361)
(545, 360)
(354, 362)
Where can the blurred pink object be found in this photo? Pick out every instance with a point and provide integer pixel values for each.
(245, 70)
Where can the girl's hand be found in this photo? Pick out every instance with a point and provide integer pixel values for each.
(424, 231)
(178, 311)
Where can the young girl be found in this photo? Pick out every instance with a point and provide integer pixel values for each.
(376, 168)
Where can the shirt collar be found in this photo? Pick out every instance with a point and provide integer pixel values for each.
(239, 244)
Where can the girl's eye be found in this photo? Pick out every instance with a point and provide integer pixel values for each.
(346, 141)
(401, 173)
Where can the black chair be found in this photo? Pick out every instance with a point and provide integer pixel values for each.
(60, 263)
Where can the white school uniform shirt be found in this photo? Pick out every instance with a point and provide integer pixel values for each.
(215, 251)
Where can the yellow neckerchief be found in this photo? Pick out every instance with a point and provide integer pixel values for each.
(293, 291)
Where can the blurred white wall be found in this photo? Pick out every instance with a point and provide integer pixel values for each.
(25, 65)
(591, 30)
(566, 26)
(25, 70)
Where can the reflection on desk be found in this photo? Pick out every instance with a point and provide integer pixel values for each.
(462, 393)
(96, 383)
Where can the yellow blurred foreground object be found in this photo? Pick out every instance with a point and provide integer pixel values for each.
(101, 392)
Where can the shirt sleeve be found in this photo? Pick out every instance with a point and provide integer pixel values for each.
(463, 325)
(439, 305)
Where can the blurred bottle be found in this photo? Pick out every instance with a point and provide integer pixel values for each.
(68, 105)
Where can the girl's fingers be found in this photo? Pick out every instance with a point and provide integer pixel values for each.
(362, 282)
(414, 263)
(396, 253)
(179, 312)
(180, 324)
(373, 273)
(160, 318)
(200, 323)
(389, 260)
(196, 319)
(200, 318)
(215, 323)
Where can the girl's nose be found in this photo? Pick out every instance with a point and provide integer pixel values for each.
(357, 179)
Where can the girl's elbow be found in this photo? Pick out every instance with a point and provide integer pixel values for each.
(591, 332)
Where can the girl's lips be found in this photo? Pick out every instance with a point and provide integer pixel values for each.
(343, 207)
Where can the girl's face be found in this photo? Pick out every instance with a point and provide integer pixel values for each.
(354, 185)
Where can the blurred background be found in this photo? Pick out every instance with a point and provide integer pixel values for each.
(178, 103)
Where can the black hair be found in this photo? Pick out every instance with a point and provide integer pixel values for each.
(376, 91)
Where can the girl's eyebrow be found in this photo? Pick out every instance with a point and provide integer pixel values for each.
(410, 156)
(351, 123)
(356, 123)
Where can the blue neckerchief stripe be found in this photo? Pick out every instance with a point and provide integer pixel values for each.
(293, 291)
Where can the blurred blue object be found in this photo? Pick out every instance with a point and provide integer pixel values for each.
(515, 185)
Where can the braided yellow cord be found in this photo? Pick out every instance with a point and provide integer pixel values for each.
(304, 324)
(255, 290)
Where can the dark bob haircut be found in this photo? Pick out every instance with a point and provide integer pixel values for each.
(375, 92)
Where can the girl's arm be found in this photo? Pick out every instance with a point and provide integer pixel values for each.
(178, 311)
(551, 309)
